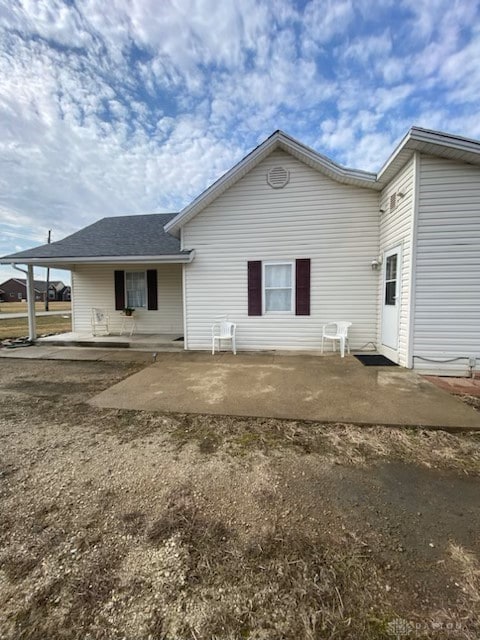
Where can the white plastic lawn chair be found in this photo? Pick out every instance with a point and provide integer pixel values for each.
(100, 321)
(223, 330)
(337, 331)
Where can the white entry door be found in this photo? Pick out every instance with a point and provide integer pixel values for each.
(391, 298)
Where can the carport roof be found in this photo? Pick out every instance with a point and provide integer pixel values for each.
(111, 239)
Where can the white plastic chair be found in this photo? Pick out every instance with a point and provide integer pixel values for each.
(100, 321)
(337, 331)
(223, 330)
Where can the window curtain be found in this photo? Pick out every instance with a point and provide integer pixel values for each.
(278, 287)
(136, 290)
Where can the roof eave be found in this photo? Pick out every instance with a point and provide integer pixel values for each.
(417, 136)
(179, 258)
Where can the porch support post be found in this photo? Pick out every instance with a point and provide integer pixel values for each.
(32, 329)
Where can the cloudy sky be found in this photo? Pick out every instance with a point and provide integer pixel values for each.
(135, 106)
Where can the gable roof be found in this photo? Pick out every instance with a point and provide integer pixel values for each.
(278, 140)
(154, 237)
(129, 238)
(435, 143)
(417, 139)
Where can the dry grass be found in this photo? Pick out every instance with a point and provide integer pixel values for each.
(21, 307)
(273, 583)
(469, 568)
(339, 444)
(189, 576)
(18, 327)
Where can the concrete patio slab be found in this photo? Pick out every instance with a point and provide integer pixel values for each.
(33, 353)
(77, 353)
(324, 389)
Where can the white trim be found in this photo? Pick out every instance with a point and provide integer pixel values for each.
(417, 137)
(174, 258)
(72, 301)
(184, 295)
(32, 321)
(395, 249)
(271, 263)
(389, 353)
(413, 260)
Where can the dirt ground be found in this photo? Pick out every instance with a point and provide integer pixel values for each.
(135, 525)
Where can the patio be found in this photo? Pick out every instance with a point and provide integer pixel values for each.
(299, 387)
(163, 341)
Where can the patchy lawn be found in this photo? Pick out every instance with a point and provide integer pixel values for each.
(137, 525)
(22, 307)
(18, 327)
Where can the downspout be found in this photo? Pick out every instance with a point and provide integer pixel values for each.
(32, 330)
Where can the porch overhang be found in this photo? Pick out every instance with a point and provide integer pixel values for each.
(68, 262)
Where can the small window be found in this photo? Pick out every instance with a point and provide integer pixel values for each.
(19, 296)
(278, 287)
(135, 289)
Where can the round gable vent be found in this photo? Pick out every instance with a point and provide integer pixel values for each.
(278, 177)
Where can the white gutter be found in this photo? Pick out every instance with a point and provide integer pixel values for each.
(174, 258)
(32, 328)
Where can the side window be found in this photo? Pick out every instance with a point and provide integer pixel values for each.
(278, 287)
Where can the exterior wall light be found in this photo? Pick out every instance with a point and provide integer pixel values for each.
(375, 264)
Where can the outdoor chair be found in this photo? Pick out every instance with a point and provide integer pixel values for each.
(223, 330)
(100, 320)
(337, 331)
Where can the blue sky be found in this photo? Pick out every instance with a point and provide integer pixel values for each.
(135, 106)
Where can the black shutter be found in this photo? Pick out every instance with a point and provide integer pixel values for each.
(119, 290)
(152, 295)
(255, 288)
(302, 286)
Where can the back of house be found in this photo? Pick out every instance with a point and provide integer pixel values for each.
(288, 241)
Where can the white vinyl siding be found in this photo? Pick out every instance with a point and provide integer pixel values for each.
(313, 216)
(94, 286)
(396, 230)
(447, 301)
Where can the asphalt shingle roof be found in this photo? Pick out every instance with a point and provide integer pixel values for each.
(119, 236)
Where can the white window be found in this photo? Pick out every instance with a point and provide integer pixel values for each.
(135, 289)
(278, 286)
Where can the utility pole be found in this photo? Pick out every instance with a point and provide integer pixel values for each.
(48, 273)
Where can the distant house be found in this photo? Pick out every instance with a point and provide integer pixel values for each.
(15, 290)
(57, 291)
(288, 240)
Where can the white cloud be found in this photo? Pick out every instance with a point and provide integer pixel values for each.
(137, 105)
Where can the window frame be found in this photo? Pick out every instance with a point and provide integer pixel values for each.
(272, 263)
(145, 306)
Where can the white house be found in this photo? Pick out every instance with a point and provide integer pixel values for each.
(288, 240)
